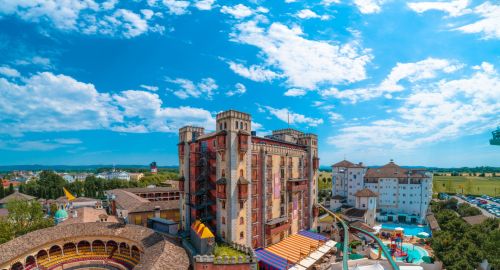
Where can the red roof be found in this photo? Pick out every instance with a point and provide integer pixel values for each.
(347, 164)
(366, 192)
(392, 170)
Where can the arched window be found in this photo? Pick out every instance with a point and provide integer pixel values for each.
(241, 172)
(241, 235)
(223, 220)
(242, 220)
(225, 125)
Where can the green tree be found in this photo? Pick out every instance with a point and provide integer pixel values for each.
(21, 188)
(11, 188)
(2, 192)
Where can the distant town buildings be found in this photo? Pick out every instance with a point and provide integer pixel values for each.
(153, 167)
(121, 175)
(249, 190)
(402, 195)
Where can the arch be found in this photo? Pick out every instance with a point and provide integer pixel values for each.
(136, 253)
(69, 248)
(124, 248)
(30, 262)
(55, 251)
(84, 247)
(17, 266)
(98, 247)
(111, 246)
(42, 255)
(241, 125)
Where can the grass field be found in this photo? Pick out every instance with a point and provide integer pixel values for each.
(473, 185)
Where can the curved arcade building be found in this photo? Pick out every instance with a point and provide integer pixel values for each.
(92, 245)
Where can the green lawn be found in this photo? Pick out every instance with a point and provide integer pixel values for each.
(222, 249)
(473, 185)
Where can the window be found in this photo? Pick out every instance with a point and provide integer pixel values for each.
(223, 234)
(223, 204)
(246, 127)
(241, 173)
(220, 126)
(138, 220)
(225, 125)
(241, 125)
(242, 220)
(241, 235)
(241, 205)
(223, 220)
(236, 122)
(223, 173)
(364, 205)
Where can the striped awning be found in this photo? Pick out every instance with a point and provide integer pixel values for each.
(270, 261)
(315, 236)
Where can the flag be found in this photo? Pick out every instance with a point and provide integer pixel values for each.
(68, 195)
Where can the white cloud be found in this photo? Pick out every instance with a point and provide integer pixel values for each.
(334, 117)
(435, 111)
(204, 88)
(239, 89)
(488, 25)
(329, 2)
(305, 63)
(309, 14)
(204, 4)
(87, 17)
(286, 116)
(411, 72)
(254, 72)
(487, 15)
(9, 72)
(369, 6)
(176, 7)
(239, 11)
(453, 8)
(49, 102)
(149, 87)
(295, 92)
(37, 145)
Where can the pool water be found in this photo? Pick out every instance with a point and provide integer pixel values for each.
(415, 253)
(409, 229)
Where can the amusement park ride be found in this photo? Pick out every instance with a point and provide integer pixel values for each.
(496, 137)
(348, 228)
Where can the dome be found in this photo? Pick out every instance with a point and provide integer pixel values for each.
(61, 214)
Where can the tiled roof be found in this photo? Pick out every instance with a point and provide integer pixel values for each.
(366, 192)
(86, 215)
(151, 189)
(133, 203)
(392, 170)
(354, 212)
(16, 196)
(362, 225)
(347, 164)
(159, 252)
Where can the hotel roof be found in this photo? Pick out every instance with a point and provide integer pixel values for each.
(366, 192)
(133, 203)
(347, 164)
(392, 170)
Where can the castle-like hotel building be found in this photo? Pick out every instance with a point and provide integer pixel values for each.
(250, 190)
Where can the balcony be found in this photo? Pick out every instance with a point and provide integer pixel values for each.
(221, 141)
(243, 142)
(278, 229)
(221, 188)
(242, 189)
(294, 187)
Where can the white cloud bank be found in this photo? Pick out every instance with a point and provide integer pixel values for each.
(304, 63)
(487, 21)
(50, 102)
(187, 88)
(286, 116)
(434, 111)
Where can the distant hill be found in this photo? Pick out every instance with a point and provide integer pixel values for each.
(37, 167)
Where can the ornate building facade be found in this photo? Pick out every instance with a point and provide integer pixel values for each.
(250, 190)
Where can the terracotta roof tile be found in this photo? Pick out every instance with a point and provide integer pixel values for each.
(366, 192)
(392, 170)
(16, 196)
(347, 164)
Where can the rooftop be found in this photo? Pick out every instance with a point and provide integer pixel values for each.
(473, 220)
(392, 170)
(366, 192)
(88, 214)
(159, 252)
(16, 196)
(151, 189)
(129, 201)
(347, 164)
(354, 212)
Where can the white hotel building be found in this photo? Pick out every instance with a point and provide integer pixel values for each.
(403, 195)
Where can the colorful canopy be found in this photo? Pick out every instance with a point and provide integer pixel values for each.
(270, 261)
(312, 235)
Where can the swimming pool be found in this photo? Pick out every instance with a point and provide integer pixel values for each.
(409, 229)
(415, 253)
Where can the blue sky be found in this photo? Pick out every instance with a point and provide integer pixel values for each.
(103, 82)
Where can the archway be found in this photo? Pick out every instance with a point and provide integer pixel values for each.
(98, 247)
(84, 247)
(124, 248)
(69, 249)
(42, 256)
(112, 247)
(17, 266)
(136, 254)
(55, 251)
(30, 262)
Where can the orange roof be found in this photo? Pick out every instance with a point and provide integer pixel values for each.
(366, 192)
(201, 230)
(295, 247)
(347, 164)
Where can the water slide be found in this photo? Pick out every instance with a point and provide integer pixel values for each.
(346, 227)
